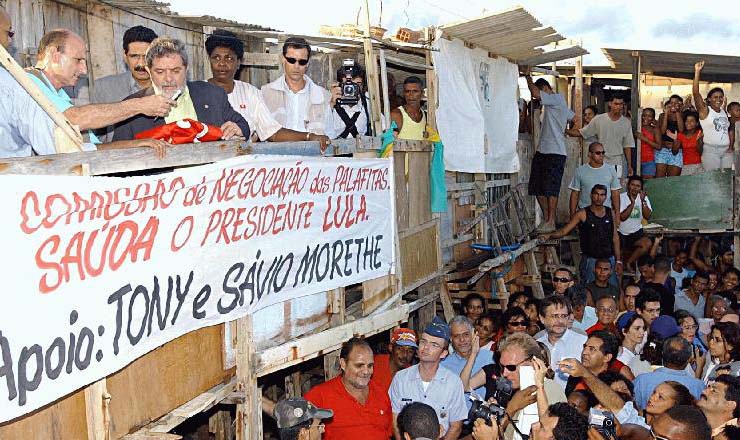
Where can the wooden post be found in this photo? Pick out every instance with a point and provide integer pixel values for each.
(371, 68)
(100, 25)
(97, 402)
(386, 92)
(635, 103)
(431, 76)
(249, 413)
(337, 310)
(578, 104)
(736, 207)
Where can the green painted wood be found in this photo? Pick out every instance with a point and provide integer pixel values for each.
(702, 201)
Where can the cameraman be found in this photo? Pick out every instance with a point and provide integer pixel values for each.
(350, 120)
(560, 422)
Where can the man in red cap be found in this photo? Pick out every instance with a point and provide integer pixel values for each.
(401, 354)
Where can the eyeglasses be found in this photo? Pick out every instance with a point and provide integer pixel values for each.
(292, 60)
(433, 344)
(606, 309)
(657, 437)
(560, 280)
(512, 367)
(689, 327)
(598, 153)
(518, 323)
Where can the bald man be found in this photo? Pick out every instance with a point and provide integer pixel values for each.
(62, 60)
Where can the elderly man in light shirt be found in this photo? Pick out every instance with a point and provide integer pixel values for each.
(294, 100)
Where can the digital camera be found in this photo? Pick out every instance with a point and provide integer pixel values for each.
(350, 90)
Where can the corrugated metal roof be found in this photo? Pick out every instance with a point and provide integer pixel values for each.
(514, 34)
(152, 6)
(717, 68)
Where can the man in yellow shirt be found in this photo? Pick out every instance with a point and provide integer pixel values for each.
(167, 63)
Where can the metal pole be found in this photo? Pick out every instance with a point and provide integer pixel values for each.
(635, 105)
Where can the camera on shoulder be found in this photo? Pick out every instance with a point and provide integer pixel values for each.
(350, 90)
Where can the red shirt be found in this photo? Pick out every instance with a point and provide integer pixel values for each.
(599, 326)
(647, 152)
(371, 421)
(688, 143)
(382, 371)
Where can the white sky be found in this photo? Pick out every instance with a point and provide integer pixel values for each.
(706, 26)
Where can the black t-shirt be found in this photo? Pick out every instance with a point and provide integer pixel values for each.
(667, 298)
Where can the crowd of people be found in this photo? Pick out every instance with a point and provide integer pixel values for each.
(128, 109)
(657, 359)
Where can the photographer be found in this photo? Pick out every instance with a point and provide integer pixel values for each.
(349, 102)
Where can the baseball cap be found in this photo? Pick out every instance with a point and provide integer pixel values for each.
(404, 337)
(294, 411)
(665, 326)
(624, 319)
(438, 328)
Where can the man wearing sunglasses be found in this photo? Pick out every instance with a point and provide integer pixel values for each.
(294, 100)
(429, 382)
(594, 172)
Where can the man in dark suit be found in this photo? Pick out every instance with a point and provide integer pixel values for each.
(167, 63)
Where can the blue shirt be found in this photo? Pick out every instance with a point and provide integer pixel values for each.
(556, 116)
(455, 363)
(646, 383)
(59, 98)
(444, 393)
(24, 125)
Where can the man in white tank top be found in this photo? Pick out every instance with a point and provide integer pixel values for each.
(718, 138)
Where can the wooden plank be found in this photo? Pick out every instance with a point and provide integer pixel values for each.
(308, 347)
(401, 188)
(384, 84)
(151, 436)
(63, 419)
(420, 210)
(419, 255)
(249, 413)
(375, 292)
(172, 375)
(100, 25)
(219, 424)
(197, 405)
(444, 298)
(371, 71)
(254, 59)
(531, 262)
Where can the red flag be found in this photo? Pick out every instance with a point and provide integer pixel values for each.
(184, 131)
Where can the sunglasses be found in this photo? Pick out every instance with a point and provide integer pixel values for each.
(292, 60)
(560, 280)
(513, 367)
(598, 153)
(518, 323)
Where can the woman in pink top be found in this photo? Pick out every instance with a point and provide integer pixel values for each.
(649, 134)
(691, 141)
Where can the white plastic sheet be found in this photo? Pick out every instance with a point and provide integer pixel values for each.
(478, 118)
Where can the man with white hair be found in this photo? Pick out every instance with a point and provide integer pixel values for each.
(467, 351)
(167, 63)
(62, 60)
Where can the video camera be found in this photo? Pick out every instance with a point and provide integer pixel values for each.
(603, 421)
(480, 409)
(350, 90)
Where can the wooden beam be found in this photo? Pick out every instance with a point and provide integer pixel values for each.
(254, 59)
(308, 347)
(386, 92)
(371, 70)
(635, 96)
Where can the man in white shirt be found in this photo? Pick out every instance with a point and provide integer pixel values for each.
(225, 52)
(294, 100)
(562, 342)
(634, 206)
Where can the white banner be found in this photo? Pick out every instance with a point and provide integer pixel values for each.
(99, 271)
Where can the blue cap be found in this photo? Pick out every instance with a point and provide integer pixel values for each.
(438, 328)
(665, 326)
(622, 321)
